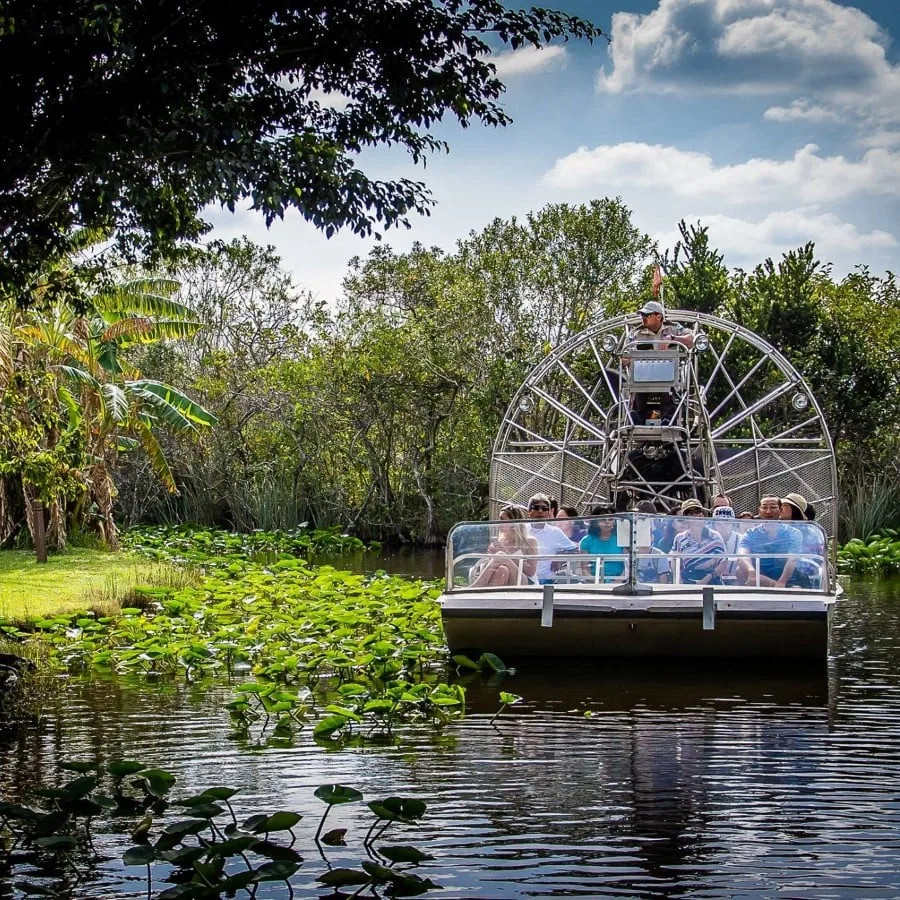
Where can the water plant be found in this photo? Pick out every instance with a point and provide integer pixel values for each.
(356, 655)
(196, 844)
(211, 548)
(506, 700)
(878, 555)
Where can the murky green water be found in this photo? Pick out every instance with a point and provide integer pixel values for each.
(607, 781)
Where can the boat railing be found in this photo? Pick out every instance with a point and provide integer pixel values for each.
(477, 557)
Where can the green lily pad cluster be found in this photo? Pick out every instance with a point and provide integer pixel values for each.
(877, 555)
(213, 548)
(355, 654)
(203, 850)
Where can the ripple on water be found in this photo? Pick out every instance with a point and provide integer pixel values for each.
(609, 780)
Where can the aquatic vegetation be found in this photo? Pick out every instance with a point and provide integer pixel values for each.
(878, 555)
(357, 654)
(211, 548)
(506, 700)
(203, 852)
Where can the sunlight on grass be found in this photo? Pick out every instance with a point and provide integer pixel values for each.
(77, 579)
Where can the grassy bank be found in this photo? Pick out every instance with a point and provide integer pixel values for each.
(75, 580)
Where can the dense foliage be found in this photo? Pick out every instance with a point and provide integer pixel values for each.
(354, 655)
(879, 554)
(137, 115)
(72, 400)
(380, 414)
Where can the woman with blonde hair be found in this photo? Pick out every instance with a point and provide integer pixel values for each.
(511, 554)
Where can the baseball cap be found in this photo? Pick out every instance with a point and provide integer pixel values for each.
(652, 306)
(723, 512)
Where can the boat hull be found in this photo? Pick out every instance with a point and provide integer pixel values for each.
(670, 623)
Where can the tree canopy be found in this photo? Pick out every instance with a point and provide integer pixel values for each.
(134, 116)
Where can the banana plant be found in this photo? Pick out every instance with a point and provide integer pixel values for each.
(95, 400)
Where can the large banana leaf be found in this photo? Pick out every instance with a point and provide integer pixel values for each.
(142, 329)
(149, 296)
(79, 376)
(157, 458)
(115, 402)
(172, 407)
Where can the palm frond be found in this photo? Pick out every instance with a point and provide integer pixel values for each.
(133, 326)
(144, 330)
(149, 296)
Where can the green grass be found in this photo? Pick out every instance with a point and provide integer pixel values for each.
(75, 580)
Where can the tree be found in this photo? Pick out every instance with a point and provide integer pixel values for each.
(696, 274)
(72, 401)
(135, 116)
(562, 268)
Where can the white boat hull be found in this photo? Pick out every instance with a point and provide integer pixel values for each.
(668, 622)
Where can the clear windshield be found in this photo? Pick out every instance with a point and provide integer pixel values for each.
(638, 549)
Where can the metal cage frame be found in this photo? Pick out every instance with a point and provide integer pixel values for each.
(746, 424)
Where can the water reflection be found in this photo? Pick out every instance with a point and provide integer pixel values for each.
(608, 780)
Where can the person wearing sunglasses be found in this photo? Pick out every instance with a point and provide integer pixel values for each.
(550, 539)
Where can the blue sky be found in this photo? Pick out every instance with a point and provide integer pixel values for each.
(774, 122)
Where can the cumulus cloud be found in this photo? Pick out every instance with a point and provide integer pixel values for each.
(527, 60)
(808, 177)
(830, 54)
(747, 242)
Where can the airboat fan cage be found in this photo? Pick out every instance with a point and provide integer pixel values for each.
(739, 420)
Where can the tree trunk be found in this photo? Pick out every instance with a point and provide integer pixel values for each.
(34, 514)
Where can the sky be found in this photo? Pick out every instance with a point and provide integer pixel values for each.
(772, 122)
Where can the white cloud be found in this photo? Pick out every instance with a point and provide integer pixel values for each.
(807, 178)
(746, 243)
(527, 60)
(801, 111)
(817, 49)
(332, 99)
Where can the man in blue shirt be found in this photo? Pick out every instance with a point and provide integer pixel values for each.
(772, 536)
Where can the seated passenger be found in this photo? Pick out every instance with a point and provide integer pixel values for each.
(696, 544)
(600, 540)
(652, 564)
(507, 563)
(568, 522)
(550, 540)
(796, 508)
(771, 536)
(724, 522)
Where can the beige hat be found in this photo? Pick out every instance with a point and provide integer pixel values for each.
(798, 501)
(691, 503)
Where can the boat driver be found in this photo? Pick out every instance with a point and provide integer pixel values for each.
(771, 536)
(655, 334)
(550, 539)
(654, 329)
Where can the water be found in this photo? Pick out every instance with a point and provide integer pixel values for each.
(608, 781)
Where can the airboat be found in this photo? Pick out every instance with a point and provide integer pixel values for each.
(610, 418)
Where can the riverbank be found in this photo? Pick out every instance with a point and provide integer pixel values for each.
(76, 579)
